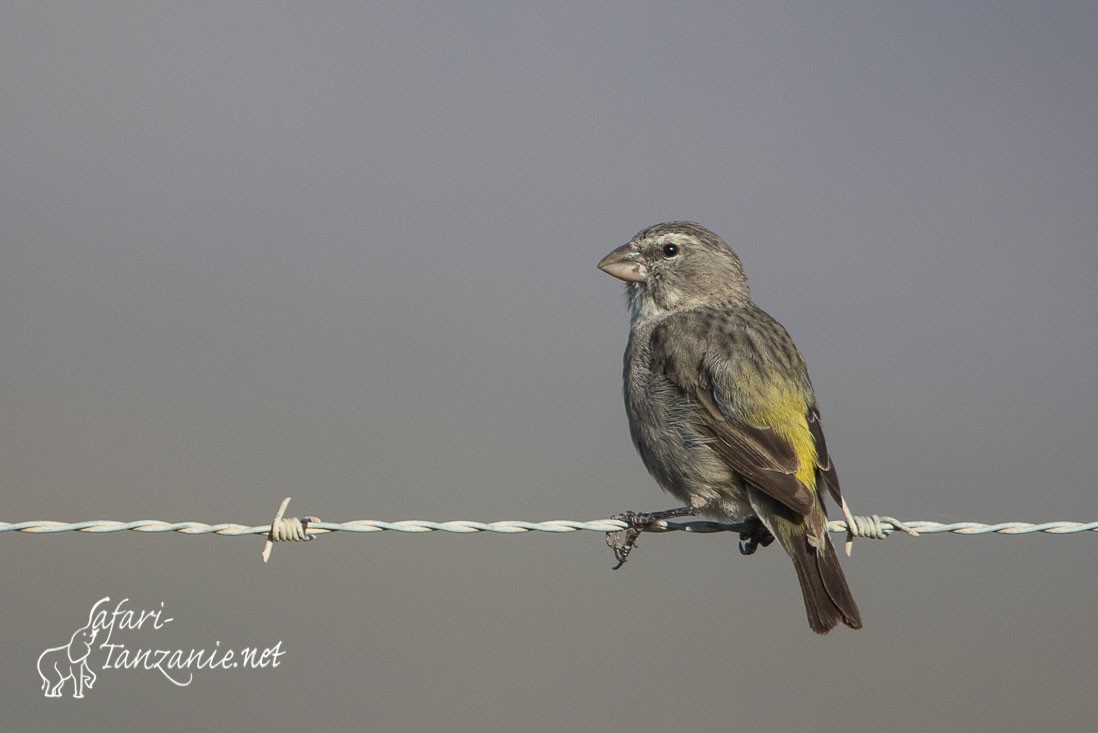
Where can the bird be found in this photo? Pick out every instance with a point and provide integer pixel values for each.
(722, 411)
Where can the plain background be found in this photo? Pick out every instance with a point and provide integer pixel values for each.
(346, 252)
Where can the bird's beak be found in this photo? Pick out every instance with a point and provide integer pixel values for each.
(624, 263)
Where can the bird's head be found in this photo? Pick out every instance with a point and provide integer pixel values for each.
(675, 266)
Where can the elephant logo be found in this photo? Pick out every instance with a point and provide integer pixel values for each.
(70, 661)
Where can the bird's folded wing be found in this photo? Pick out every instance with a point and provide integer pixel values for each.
(827, 474)
(759, 454)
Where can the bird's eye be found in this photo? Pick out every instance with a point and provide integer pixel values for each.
(670, 250)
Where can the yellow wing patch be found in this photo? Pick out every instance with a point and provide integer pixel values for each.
(784, 411)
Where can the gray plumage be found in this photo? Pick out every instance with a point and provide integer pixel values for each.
(720, 405)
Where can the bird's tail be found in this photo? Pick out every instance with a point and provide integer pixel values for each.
(827, 598)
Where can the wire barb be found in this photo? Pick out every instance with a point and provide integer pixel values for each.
(286, 529)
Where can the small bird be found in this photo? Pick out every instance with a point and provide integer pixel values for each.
(721, 409)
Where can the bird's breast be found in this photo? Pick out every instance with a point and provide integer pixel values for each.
(662, 424)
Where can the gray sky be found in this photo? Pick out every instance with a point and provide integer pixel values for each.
(346, 252)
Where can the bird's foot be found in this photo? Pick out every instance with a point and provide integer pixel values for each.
(623, 541)
(754, 536)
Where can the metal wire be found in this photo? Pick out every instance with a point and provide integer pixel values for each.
(557, 526)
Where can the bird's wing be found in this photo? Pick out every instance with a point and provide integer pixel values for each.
(682, 351)
(827, 474)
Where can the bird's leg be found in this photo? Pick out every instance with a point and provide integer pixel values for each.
(753, 536)
(623, 541)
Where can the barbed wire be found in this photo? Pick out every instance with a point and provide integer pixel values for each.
(556, 526)
(306, 528)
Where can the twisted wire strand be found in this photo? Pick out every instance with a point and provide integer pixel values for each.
(866, 527)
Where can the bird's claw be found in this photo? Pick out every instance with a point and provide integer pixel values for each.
(754, 537)
(623, 541)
